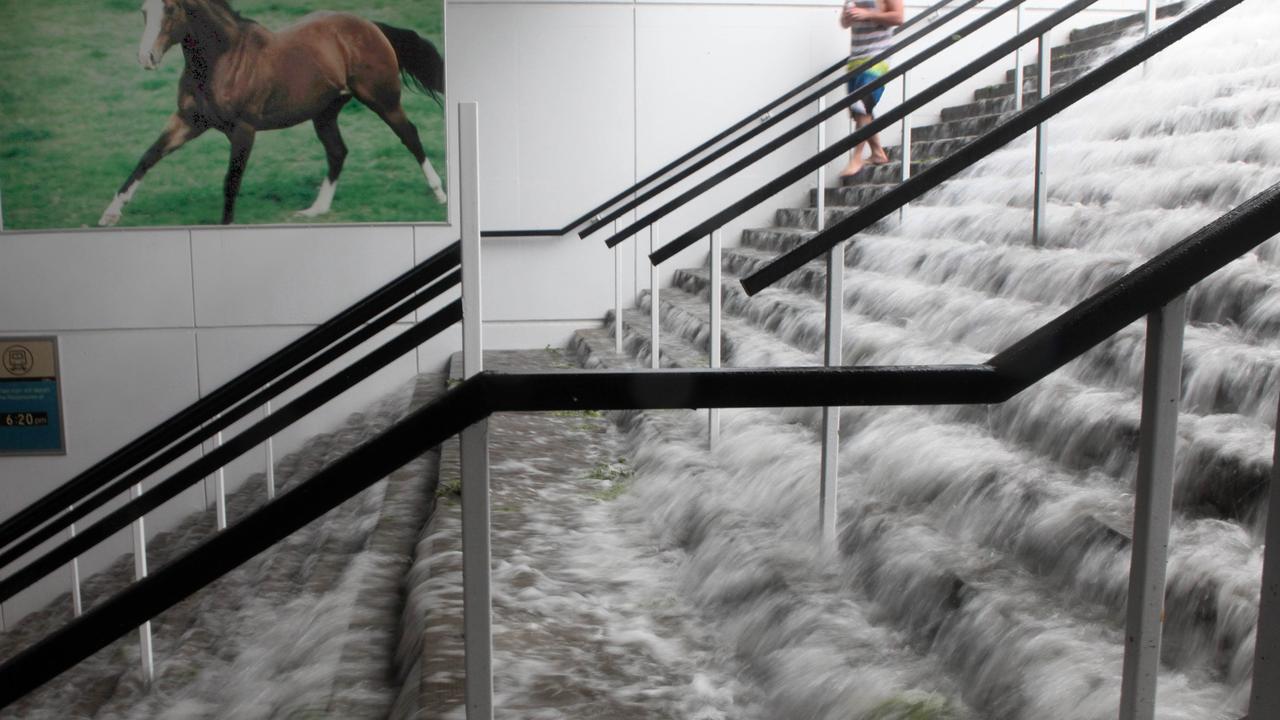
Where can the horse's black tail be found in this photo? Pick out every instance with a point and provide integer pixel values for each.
(420, 62)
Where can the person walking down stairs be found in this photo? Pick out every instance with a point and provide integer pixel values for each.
(870, 24)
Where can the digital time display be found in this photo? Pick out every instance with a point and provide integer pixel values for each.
(24, 419)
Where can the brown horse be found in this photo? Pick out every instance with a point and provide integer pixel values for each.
(241, 78)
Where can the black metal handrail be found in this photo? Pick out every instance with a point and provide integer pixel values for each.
(169, 488)
(898, 113)
(1138, 293)
(1049, 106)
(795, 132)
(762, 113)
(91, 489)
(110, 489)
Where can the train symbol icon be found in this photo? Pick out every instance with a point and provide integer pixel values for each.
(18, 360)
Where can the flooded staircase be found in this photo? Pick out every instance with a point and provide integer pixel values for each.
(983, 552)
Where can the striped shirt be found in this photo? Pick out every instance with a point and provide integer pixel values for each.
(868, 39)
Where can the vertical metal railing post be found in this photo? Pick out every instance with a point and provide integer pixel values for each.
(905, 151)
(1017, 64)
(713, 414)
(617, 293)
(77, 603)
(1264, 699)
(220, 488)
(271, 463)
(1041, 197)
(474, 441)
(139, 572)
(832, 355)
(655, 351)
(1148, 27)
(1153, 510)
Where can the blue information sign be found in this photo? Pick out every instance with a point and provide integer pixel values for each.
(30, 402)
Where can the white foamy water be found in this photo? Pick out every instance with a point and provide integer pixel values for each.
(986, 549)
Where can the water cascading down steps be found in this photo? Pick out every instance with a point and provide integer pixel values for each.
(983, 553)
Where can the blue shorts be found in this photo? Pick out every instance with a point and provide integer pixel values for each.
(866, 78)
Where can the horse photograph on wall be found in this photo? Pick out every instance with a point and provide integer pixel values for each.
(205, 112)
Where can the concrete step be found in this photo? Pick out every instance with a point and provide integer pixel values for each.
(1222, 479)
(1066, 62)
(889, 173)
(1129, 22)
(981, 108)
(1084, 46)
(1030, 84)
(775, 240)
(673, 351)
(966, 128)
(856, 193)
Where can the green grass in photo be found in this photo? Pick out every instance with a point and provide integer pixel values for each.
(77, 112)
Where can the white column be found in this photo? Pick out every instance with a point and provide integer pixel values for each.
(655, 330)
(271, 463)
(474, 441)
(713, 414)
(1264, 700)
(139, 572)
(1153, 510)
(1041, 197)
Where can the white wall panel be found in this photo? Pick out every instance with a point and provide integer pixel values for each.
(79, 281)
(554, 84)
(292, 276)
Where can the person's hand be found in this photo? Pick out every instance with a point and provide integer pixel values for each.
(857, 14)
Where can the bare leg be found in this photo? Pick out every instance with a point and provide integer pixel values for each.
(335, 151)
(241, 137)
(855, 155)
(408, 134)
(878, 155)
(176, 133)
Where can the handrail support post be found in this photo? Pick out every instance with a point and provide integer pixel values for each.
(271, 461)
(1264, 698)
(1153, 510)
(1018, 69)
(617, 294)
(474, 441)
(1041, 192)
(220, 488)
(655, 331)
(77, 603)
(714, 290)
(905, 152)
(139, 572)
(830, 461)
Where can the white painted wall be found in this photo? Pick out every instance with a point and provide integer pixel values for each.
(577, 100)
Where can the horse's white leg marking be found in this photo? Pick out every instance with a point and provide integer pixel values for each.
(153, 12)
(433, 179)
(111, 215)
(323, 202)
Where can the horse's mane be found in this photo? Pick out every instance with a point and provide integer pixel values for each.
(224, 6)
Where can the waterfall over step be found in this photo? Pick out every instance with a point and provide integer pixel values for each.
(983, 553)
